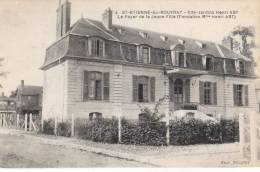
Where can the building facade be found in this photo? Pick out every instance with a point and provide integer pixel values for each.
(28, 99)
(100, 67)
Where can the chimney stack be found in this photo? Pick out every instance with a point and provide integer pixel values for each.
(22, 83)
(228, 42)
(63, 18)
(107, 18)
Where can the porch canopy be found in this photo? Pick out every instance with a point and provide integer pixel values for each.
(186, 71)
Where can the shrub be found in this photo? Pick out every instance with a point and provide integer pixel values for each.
(64, 129)
(48, 126)
(193, 131)
(99, 130)
(143, 133)
(230, 130)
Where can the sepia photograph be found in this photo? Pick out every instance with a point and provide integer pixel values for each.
(140, 83)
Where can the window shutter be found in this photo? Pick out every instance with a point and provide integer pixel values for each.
(246, 95)
(235, 94)
(106, 86)
(135, 91)
(215, 93)
(201, 89)
(152, 89)
(85, 85)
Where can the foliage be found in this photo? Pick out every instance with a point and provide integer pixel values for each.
(64, 129)
(99, 130)
(153, 115)
(230, 130)
(48, 126)
(152, 133)
(193, 131)
(244, 33)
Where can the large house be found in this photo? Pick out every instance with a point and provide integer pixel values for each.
(101, 67)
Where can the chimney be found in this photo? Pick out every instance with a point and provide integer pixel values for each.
(22, 83)
(63, 19)
(228, 42)
(107, 18)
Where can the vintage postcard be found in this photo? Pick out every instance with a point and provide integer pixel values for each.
(140, 83)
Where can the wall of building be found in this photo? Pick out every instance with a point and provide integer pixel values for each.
(121, 98)
(225, 102)
(54, 91)
(63, 91)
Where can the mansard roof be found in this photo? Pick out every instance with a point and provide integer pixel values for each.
(88, 27)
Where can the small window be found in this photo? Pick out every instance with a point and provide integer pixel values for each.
(95, 116)
(97, 47)
(209, 63)
(241, 67)
(145, 55)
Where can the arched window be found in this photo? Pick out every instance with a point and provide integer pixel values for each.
(178, 91)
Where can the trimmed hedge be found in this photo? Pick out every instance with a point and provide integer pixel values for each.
(99, 130)
(193, 131)
(182, 132)
(143, 133)
(230, 131)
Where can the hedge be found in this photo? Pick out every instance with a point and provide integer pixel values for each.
(230, 131)
(48, 126)
(182, 132)
(193, 131)
(64, 129)
(99, 130)
(143, 133)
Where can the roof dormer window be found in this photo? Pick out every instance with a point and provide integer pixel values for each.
(201, 44)
(181, 41)
(143, 34)
(97, 47)
(164, 38)
(120, 30)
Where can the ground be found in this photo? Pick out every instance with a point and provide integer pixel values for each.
(18, 151)
(21, 149)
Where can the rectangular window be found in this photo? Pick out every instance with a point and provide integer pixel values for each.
(240, 93)
(208, 93)
(241, 68)
(145, 55)
(143, 89)
(181, 59)
(209, 63)
(95, 86)
(97, 47)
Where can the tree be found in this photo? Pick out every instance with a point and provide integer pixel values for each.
(244, 33)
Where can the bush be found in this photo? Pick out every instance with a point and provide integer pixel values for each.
(230, 131)
(144, 133)
(48, 126)
(64, 129)
(99, 130)
(193, 131)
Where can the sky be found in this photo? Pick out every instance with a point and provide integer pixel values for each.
(28, 27)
